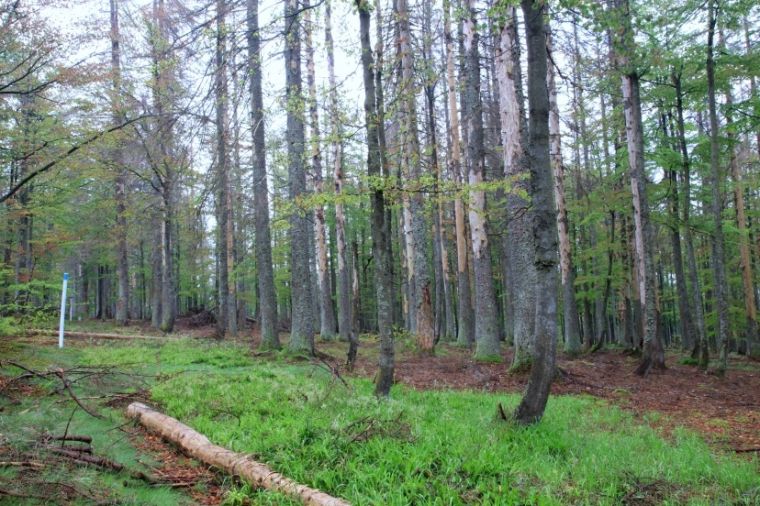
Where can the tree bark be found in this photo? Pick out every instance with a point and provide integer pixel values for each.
(122, 266)
(301, 331)
(653, 354)
(336, 141)
(465, 321)
(417, 234)
(263, 240)
(533, 403)
(383, 285)
(570, 308)
(716, 206)
(328, 326)
(700, 350)
(486, 318)
(227, 318)
(520, 247)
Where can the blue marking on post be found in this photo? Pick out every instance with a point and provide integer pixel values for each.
(65, 276)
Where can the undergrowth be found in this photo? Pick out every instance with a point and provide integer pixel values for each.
(431, 447)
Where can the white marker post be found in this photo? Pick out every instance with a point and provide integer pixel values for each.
(63, 309)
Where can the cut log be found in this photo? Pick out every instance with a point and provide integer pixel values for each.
(198, 446)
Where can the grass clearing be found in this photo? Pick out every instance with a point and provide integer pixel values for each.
(431, 447)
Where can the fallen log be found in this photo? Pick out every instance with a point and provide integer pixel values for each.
(198, 446)
(97, 335)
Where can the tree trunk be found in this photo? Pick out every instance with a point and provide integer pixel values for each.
(486, 318)
(520, 238)
(328, 327)
(716, 182)
(383, 286)
(418, 248)
(654, 355)
(533, 403)
(122, 273)
(748, 285)
(336, 141)
(570, 308)
(263, 240)
(301, 331)
(465, 321)
(700, 349)
(227, 317)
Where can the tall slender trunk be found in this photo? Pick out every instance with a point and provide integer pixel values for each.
(328, 327)
(684, 313)
(570, 308)
(336, 142)
(411, 161)
(533, 403)
(716, 182)
(465, 321)
(520, 237)
(486, 318)
(654, 355)
(745, 261)
(227, 317)
(383, 285)
(263, 244)
(301, 331)
(122, 273)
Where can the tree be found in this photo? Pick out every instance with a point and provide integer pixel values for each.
(716, 206)
(653, 355)
(122, 270)
(533, 403)
(373, 121)
(486, 321)
(263, 240)
(301, 331)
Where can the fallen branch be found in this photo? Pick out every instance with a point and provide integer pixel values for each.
(28, 463)
(83, 458)
(198, 446)
(60, 374)
(745, 450)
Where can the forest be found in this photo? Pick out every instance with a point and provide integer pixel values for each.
(379, 252)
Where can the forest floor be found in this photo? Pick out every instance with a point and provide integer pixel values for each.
(723, 411)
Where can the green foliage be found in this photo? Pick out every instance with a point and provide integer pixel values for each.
(433, 447)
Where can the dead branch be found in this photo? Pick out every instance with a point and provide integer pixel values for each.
(60, 374)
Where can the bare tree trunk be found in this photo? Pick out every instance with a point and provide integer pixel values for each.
(520, 245)
(410, 160)
(122, 273)
(263, 242)
(301, 331)
(383, 286)
(465, 322)
(486, 319)
(533, 403)
(643, 237)
(328, 327)
(716, 181)
(570, 308)
(227, 317)
(336, 141)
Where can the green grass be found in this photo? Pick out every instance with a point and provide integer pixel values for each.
(435, 447)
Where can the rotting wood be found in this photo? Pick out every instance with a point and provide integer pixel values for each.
(198, 446)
